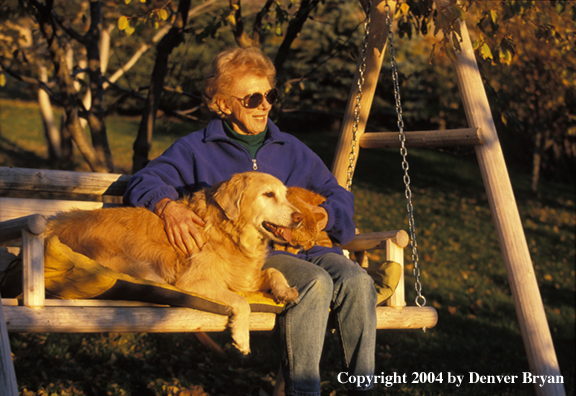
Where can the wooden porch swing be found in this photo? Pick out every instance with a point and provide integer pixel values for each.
(25, 219)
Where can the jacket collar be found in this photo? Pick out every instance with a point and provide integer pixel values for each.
(215, 131)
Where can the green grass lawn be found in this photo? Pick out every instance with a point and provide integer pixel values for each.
(463, 277)
(22, 141)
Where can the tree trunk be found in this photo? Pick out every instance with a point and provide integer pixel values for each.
(96, 112)
(540, 136)
(45, 21)
(170, 41)
(51, 132)
(536, 161)
(67, 144)
(294, 28)
(241, 37)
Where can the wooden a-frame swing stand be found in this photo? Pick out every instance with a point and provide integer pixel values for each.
(26, 218)
(482, 134)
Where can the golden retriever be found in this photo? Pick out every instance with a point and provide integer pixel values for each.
(242, 215)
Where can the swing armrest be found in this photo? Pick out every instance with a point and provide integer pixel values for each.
(377, 240)
(393, 243)
(12, 229)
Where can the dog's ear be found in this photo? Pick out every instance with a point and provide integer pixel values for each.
(229, 194)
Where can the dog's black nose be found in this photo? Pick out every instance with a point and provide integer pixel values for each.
(297, 217)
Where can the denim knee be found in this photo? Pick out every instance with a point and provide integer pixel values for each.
(360, 285)
(321, 287)
(357, 288)
(308, 278)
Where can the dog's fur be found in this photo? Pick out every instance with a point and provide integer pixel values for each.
(242, 216)
(308, 234)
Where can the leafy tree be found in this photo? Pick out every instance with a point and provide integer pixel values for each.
(532, 69)
(52, 48)
(526, 51)
(77, 28)
(73, 42)
(314, 45)
(98, 155)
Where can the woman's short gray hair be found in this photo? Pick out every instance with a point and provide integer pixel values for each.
(229, 66)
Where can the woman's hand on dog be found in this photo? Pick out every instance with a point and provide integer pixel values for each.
(181, 225)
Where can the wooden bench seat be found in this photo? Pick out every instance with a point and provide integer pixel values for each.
(23, 220)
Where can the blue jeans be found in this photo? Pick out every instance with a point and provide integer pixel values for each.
(329, 282)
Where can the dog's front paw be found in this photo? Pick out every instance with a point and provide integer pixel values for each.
(240, 325)
(241, 338)
(243, 349)
(286, 295)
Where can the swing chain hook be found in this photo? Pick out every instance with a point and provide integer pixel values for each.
(420, 299)
(358, 105)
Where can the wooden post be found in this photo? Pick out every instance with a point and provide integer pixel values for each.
(375, 52)
(396, 253)
(8, 384)
(527, 299)
(33, 289)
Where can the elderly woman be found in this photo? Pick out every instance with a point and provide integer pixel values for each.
(239, 90)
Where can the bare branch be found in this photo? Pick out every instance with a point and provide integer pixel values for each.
(294, 28)
(240, 35)
(257, 31)
(46, 86)
(194, 12)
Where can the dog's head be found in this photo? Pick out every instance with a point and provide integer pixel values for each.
(258, 199)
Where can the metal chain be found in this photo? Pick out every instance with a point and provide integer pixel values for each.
(420, 299)
(361, 70)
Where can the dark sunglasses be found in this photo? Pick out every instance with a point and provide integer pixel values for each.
(254, 100)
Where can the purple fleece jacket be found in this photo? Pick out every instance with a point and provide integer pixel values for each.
(206, 157)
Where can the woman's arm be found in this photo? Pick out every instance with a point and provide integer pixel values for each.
(156, 187)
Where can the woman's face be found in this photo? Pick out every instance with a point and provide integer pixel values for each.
(243, 120)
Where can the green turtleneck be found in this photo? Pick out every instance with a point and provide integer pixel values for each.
(252, 143)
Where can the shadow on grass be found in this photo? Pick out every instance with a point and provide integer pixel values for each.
(15, 156)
